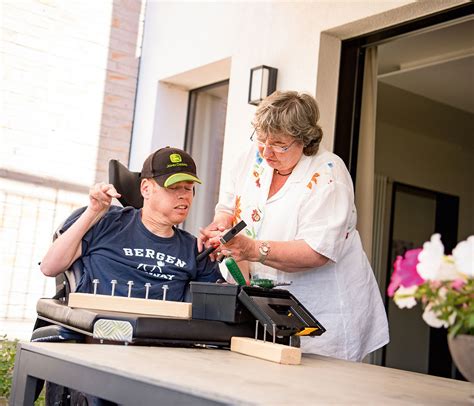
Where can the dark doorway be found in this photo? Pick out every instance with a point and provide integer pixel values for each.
(415, 213)
(418, 154)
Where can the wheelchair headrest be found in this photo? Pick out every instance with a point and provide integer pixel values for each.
(127, 184)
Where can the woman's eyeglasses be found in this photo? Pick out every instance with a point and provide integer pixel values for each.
(274, 148)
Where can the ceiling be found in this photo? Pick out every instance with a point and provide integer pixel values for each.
(437, 64)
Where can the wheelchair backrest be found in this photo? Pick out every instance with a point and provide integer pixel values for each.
(127, 184)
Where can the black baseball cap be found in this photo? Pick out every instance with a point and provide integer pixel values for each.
(169, 166)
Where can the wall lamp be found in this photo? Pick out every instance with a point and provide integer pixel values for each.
(262, 83)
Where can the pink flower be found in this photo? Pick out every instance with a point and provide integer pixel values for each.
(458, 284)
(404, 272)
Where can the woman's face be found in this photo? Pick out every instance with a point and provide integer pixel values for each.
(285, 156)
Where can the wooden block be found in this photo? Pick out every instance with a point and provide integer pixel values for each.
(282, 354)
(153, 307)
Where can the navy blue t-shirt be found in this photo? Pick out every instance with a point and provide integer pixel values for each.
(120, 247)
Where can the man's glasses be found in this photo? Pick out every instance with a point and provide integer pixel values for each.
(274, 148)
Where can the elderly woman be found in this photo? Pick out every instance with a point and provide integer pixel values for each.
(298, 202)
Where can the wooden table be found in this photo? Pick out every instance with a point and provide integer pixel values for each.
(135, 375)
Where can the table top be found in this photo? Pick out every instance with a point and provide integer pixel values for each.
(235, 378)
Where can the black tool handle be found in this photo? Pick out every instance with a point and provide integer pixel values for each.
(224, 239)
(205, 253)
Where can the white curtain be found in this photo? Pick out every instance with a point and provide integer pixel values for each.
(366, 153)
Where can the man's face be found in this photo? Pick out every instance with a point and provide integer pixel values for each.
(169, 205)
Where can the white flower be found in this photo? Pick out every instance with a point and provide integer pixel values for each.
(433, 264)
(405, 302)
(431, 318)
(463, 256)
(447, 270)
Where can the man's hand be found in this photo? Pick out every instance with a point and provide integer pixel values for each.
(67, 247)
(100, 197)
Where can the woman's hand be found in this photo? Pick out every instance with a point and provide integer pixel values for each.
(287, 256)
(208, 234)
(221, 222)
(100, 197)
(239, 247)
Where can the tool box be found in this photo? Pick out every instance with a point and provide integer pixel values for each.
(271, 307)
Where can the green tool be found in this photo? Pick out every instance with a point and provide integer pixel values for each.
(267, 283)
(235, 271)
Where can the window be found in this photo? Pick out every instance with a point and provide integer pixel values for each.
(205, 141)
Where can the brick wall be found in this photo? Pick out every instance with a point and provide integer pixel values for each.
(69, 72)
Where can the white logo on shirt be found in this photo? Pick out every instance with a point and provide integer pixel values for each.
(162, 260)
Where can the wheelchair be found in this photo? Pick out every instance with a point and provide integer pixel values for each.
(127, 184)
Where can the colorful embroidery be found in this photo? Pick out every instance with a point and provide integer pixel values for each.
(251, 232)
(237, 210)
(314, 179)
(258, 169)
(256, 216)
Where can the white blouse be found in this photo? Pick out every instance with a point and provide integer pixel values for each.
(316, 204)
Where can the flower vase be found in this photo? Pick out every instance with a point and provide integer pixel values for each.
(461, 348)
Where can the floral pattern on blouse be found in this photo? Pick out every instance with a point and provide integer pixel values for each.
(237, 211)
(257, 169)
(256, 215)
(323, 177)
(314, 179)
(250, 231)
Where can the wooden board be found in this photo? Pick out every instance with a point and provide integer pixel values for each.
(153, 307)
(282, 354)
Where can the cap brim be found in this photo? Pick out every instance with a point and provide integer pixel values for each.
(180, 177)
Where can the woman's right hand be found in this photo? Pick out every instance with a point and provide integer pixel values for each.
(205, 234)
(222, 221)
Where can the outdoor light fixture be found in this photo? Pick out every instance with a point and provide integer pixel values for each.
(263, 81)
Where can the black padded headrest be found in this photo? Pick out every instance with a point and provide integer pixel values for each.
(127, 184)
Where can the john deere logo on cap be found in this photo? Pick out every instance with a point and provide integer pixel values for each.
(175, 158)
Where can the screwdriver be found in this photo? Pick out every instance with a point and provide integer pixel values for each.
(235, 271)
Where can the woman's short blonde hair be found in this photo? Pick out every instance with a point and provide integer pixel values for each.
(291, 113)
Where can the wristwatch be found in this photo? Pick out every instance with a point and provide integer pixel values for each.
(263, 249)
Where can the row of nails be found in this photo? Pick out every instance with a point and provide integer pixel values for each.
(113, 282)
(265, 332)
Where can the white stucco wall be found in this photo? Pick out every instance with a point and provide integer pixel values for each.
(183, 36)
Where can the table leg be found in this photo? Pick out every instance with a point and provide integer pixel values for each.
(24, 386)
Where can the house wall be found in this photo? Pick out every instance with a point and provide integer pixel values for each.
(284, 35)
(69, 72)
(429, 145)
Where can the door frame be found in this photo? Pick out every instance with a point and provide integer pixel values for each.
(335, 88)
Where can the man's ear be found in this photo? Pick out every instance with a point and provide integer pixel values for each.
(146, 188)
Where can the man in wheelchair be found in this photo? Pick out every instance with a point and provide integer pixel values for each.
(125, 244)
